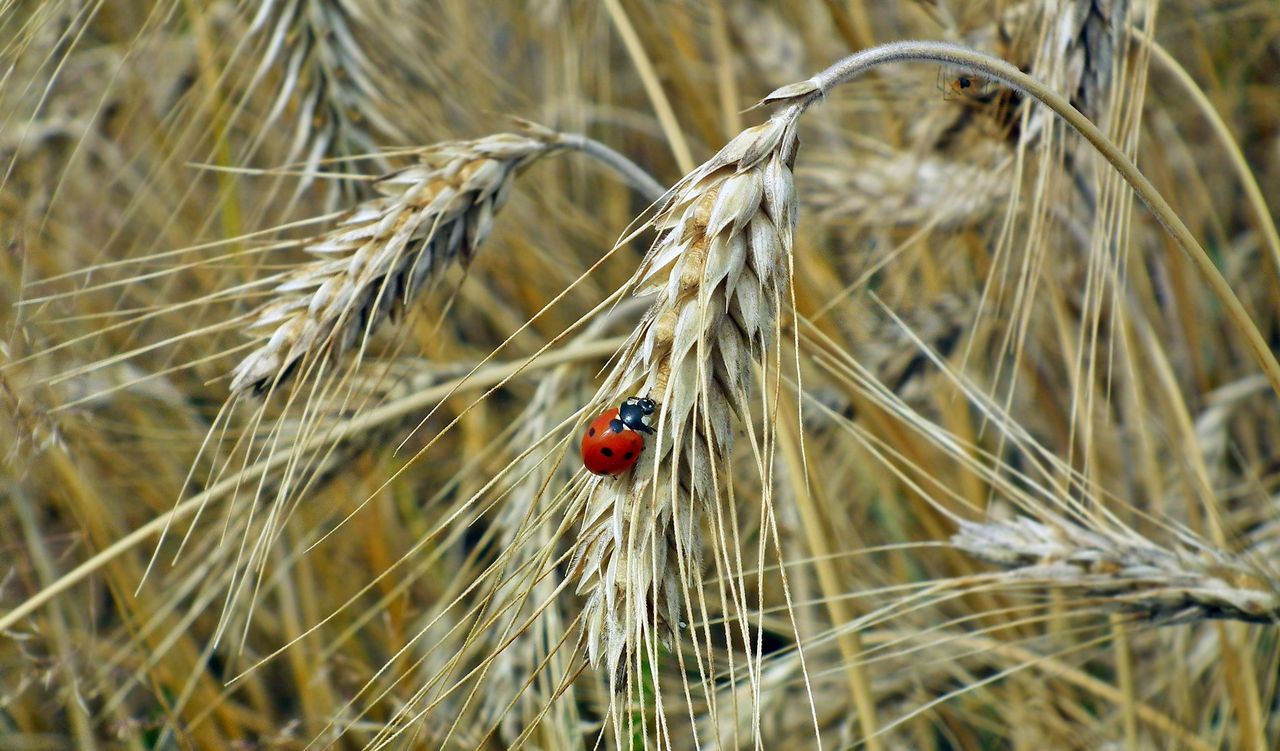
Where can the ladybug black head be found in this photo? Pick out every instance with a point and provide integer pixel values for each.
(633, 412)
(644, 403)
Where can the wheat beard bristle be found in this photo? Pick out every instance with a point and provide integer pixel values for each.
(718, 271)
(381, 255)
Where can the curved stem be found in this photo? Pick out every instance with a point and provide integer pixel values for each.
(628, 170)
(809, 92)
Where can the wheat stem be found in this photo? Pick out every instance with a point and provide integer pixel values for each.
(622, 166)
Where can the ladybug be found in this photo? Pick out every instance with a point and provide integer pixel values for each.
(614, 440)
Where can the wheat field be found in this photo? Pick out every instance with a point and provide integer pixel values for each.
(961, 319)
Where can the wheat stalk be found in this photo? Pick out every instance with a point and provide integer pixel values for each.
(718, 272)
(1126, 571)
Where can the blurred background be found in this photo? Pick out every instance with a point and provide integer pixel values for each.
(1022, 483)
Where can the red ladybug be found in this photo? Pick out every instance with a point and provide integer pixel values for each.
(614, 440)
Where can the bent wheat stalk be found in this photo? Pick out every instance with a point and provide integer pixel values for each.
(805, 94)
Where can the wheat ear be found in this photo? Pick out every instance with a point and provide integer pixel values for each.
(325, 72)
(381, 255)
(1092, 31)
(718, 273)
(1126, 571)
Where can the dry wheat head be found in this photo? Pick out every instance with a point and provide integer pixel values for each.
(718, 273)
(1125, 570)
(381, 254)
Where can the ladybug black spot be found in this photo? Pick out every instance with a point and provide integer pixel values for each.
(628, 455)
(607, 451)
(591, 432)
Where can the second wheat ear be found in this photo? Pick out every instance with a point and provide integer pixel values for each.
(383, 254)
